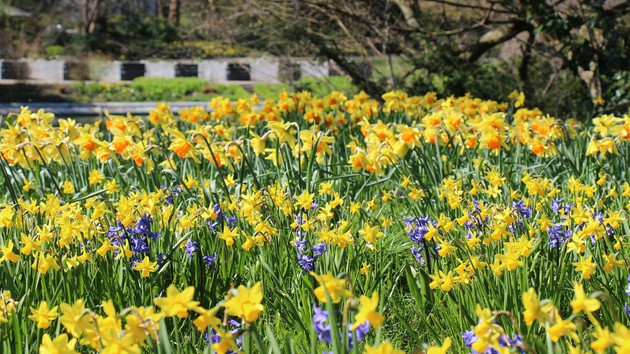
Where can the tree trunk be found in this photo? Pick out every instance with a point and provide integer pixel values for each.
(173, 13)
(523, 69)
(91, 9)
(213, 16)
(85, 9)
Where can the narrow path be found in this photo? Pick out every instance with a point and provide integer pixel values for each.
(61, 109)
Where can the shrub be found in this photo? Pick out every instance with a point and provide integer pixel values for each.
(161, 89)
(53, 51)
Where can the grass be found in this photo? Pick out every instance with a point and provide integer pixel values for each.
(194, 89)
(267, 90)
(156, 89)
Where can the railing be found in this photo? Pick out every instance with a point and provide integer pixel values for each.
(220, 70)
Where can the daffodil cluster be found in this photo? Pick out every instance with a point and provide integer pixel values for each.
(331, 291)
(129, 330)
(354, 212)
(7, 306)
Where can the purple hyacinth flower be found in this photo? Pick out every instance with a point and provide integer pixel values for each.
(218, 211)
(522, 208)
(321, 328)
(417, 254)
(209, 260)
(319, 249)
(231, 221)
(306, 262)
(469, 338)
(556, 205)
(558, 235)
(139, 245)
(301, 245)
(191, 248)
(361, 332)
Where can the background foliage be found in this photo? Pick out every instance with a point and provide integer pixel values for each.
(568, 57)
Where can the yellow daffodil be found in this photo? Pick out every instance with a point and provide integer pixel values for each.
(246, 303)
(59, 345)
(146, 267)
(177, 303)
(534, 310)
(43, 315)
(336, 288)
(367, 312)
(581, 302)
(383, 348)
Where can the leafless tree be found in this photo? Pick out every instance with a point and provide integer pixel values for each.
(462, 31)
